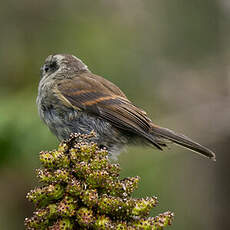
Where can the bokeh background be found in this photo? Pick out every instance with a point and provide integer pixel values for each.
(170, 57)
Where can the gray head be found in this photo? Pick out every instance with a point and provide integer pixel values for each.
(62, 63)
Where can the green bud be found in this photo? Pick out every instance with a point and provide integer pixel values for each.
(63, 147)
(74, 187)
(59, 175)
(54, 159)
(81, 170)
(143, 206)
(155, 223)
(98, 178)
(42, 196)
(67, 207)
(85, 217)
(111, 205)
(62, 224)
(122, 188)
(103, 223)
(89, 197)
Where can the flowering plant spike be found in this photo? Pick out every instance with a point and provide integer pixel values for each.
(80, 189)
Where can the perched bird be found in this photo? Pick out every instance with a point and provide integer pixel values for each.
(71, 99)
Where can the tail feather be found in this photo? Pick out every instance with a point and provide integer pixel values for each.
(182, 140)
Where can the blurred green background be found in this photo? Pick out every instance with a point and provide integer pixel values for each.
(170, 57)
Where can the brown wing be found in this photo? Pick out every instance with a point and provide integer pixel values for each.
(100, 97)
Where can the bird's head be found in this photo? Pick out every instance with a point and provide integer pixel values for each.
(63, 64)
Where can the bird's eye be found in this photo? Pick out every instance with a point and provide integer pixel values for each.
(46, 68)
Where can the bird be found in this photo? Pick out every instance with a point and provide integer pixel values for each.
(72, 99)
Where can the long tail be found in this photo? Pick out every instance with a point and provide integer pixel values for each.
(167, 134)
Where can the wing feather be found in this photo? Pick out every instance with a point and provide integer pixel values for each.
(98, 96)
